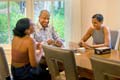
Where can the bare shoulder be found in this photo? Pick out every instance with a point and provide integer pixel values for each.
(29, 40)
(90, 29)
(106, 28)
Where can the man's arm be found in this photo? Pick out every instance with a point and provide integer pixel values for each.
(57, 40)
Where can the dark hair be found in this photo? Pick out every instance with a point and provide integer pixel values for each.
(21, 26)
(44, 11)
(99, 17)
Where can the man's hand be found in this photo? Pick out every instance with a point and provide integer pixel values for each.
(58, 43)
(50, 42)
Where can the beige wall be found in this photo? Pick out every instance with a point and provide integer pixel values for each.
(113, 14)
(109, 8)
(84, 9)
(30, 9)
(72, 20)
(90, 7)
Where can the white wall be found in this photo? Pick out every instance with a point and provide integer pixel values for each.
(72, 20)
(113, 14)
(89, 8)
(85, 9)
(30, 9)
(109, 8)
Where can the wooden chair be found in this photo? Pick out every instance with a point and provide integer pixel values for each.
(105, 69)
(4, 70)
(53, 55)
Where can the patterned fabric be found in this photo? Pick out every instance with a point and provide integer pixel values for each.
(42, 34)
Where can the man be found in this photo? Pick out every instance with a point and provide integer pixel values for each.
(44, 32)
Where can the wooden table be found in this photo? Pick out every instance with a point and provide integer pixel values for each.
(83, 61)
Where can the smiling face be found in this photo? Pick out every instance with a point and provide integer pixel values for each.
(97, 24)
(44, 18)
(31, 26)
(97, 21)
(30, 30)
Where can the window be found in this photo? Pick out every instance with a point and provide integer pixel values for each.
(12, 10)
(56, 9)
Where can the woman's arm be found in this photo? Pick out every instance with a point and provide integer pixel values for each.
(87, 34)
(31, 52)
(107, 37)
(57, 40)
(86, 37)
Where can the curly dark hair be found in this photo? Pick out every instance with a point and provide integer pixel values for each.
(21, 26)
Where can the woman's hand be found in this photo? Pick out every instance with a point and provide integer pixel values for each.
(80, 44)
(84, 44)
(38, 46)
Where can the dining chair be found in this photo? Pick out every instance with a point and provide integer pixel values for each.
(4, 69)
(119, 45)
(54, 55)
(115, 38)
(105, 69)
(118, 42)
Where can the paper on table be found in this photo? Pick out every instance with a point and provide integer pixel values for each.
(81, 49)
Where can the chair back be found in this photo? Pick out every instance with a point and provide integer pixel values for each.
(105, 69)
(115, 38)
(4, 69)
(54, 54)
(119, 45)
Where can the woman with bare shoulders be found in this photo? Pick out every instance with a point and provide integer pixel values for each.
(99, 32)
(24, 64)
